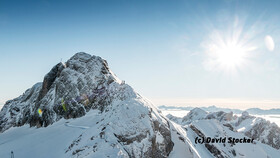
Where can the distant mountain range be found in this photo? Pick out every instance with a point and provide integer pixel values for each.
(221, 123)
(255, 111)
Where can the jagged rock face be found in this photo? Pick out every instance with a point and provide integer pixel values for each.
(83, 83)
(18, 111)
(265, 132)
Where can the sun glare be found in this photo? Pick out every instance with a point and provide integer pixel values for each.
(228, 52)
(230, 56)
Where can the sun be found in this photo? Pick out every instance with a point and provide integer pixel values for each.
(230, 56)
(228, 52)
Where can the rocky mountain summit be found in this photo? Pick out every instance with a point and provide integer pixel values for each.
(68, 91)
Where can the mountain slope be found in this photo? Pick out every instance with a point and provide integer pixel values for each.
(83, 110)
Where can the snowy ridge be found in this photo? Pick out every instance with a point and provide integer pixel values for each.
(221, 124)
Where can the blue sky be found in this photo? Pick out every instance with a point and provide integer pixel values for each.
(166, 50)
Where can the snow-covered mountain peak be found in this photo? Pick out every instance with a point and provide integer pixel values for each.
(123, 124)
(69, 90)
(194, 114)
(68, 84)
(244, 114)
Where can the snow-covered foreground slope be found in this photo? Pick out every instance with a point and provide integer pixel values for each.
(94, 135)
(43, 142)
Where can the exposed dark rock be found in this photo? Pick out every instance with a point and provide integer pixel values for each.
(216, 152)
(49, 79)
(229, 126)
(126, 140)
